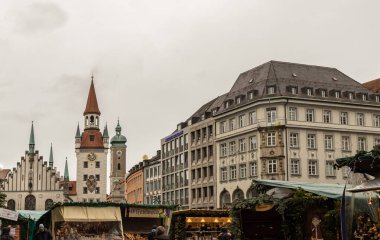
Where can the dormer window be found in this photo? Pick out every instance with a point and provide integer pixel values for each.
(92, 137)
(250, 95)
(323, 93)
(189, 122)
(309, 91)
(214, 111)
(203, 117)
(293, 90)
(350, 96)
(226, 104)
(271, 90)
(238, 100)
(377, 98)
(337, 94)
(364, 97)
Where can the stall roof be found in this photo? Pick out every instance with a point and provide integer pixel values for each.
(33, 215)
(334, 191)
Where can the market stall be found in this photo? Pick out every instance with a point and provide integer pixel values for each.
(85, 222)
(198, 224)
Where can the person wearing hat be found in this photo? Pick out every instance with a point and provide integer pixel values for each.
(42, 233)
(5, 234)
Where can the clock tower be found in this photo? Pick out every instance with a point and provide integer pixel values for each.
(91, 148)
(118, 166)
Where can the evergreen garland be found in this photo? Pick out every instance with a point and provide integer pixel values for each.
(3, 196)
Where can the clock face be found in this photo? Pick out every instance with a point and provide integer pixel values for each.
(119, 153)
(91, 156)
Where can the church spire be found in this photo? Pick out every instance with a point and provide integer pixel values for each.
(77, 135)
(51, 156)
(66, 174)
(31, 140)
(105, 132)
(92, 102)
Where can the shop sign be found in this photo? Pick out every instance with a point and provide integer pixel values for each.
(8, 214)
(144, 212)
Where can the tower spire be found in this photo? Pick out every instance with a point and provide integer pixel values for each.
(92, 102)
(66, 174)
(31, 140)
(105, 132)
(77, 135)
(51, 156)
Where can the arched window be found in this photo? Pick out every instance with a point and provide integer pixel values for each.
(225, 198)
(251, 192)
(238, 194)
(11, 205)
(48, 204)
(30, 202)
(97, 121)
(86, 121)
(118, 166)
(92, 119)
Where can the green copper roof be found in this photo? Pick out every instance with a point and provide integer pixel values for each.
(66, 174)
(51, 156)
(105, 132)
(77, 135)
(118, 139)
(31, 140)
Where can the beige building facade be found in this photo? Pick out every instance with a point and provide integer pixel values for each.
(290, 122)
(135, 185)
(33, 184)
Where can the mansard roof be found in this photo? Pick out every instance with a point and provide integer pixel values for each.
(92, 102)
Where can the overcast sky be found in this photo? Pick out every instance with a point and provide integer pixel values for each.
(157, 62)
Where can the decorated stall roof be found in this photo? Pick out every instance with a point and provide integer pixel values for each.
(334, 191)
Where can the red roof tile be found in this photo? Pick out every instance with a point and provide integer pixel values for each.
(92, 102)
(86, 141)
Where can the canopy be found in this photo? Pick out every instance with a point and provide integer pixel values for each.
(33, 215)
(334, 191)
(86, 214)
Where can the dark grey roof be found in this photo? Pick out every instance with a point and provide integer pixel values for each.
(282, 75)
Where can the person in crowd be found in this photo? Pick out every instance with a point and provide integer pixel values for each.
(161, 233)
(224, 235)
(42, 233)
(5, 234)
(152, 233)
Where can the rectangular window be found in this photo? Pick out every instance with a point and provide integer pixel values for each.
(323, 93)
(233, 172)
(330, 171)
(223, 149)
(309, 91)
(243, 171)
(292, 113)
(85, 164)
(360, 119)
(85, 177)
(313, 171)
(97, 176)
(311, 141)
(232, 124)
(241, 121)
(377, 98)
(337, 94)
(271, 139)
(85, 190)
(253, 169)
(92, 137)
(232, 147)
(328, 142)
(327, 116)
(350, 96)
(97, 190)
(364, 97)
(377, 141)
(223, 174)
(376, 120)
(346, 143)
(362, 144)
(310, 115)
(293, 90)
(252, 143)
(252, 117)
(242, 145)
(270, 90)
(250, 95)
(293, 139)
(295, 167)
(238, 100)
(222, 127)
(271, 115)
(344, 118)
(272, 166)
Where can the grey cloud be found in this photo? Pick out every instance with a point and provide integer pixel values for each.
(39, 17)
